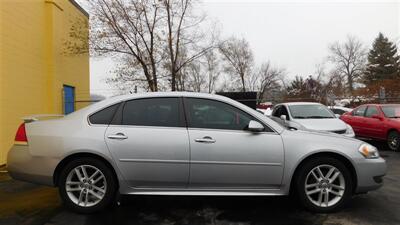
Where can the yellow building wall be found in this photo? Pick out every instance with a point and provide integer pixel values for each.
(34, 64)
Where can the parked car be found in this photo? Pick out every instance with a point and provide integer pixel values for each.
(266, 112)
(339, 110)
(188, 144)
(376, 121)
(310, 116)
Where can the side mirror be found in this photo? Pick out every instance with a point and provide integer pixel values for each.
(337, 115)
(376, 116)
(255, 126)
(283, 117)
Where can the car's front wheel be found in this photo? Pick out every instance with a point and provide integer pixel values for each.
(324, 184)
(394, 141)
(87, 185)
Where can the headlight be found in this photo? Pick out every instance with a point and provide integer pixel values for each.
(349, 129)
(368, 151)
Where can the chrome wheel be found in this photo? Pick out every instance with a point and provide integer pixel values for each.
(86, 185)
(325, 185)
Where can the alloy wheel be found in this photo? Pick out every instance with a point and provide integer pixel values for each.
(394, 141)
(86, 185)
(325, 185)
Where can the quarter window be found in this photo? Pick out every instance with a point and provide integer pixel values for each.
(104, 116)
(204, 113)
(163, 112)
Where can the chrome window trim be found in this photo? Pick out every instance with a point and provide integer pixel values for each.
(182, 98)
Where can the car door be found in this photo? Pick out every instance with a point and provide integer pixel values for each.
(356, 120)
(373, 126)
(224, 154)
(148, 140)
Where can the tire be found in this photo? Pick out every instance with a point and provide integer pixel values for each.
(90, 193)
(393, 141)
(339, 191)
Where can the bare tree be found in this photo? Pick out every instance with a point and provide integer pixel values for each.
(270, 78)
(239, 57)
(212, 69)
(154, 38)
(183, 36)
(128, 27)
(349, 59)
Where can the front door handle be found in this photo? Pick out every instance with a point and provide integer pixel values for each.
(205, 139)
(120, 136)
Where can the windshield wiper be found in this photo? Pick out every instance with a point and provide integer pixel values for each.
(394, 116)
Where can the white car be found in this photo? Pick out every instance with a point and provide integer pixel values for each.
(310, 116)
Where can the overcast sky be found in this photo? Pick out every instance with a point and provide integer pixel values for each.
(292, 34)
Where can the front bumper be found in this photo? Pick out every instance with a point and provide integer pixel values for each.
(21, 165)
(369, 174)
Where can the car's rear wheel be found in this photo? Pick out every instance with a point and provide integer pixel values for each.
(87, 185)
(324, 185)
(394, 141)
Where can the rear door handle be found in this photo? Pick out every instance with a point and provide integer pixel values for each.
(120, 136)
(205, 139)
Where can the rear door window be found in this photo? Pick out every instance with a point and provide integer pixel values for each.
(372, 110)
(160, 112)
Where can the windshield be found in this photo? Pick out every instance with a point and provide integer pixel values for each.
(310, 112)
(391, 111)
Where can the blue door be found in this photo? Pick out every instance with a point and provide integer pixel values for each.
(69, 99)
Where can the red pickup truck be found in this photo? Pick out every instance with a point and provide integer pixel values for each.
(376, 121)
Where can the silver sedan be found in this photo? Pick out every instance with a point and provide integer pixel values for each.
(188, 144)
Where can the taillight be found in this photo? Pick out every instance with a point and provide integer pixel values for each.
(20, 137)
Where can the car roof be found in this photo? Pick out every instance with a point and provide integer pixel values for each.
(167, 94)
(300, 103)
(376, 104)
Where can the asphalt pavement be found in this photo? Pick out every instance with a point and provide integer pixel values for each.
(29, 204)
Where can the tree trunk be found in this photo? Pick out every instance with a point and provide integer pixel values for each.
(244, 87)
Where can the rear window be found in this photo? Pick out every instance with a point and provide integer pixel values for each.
(310, 112)
(391, 111)
(104, 116)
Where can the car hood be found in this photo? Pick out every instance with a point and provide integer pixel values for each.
(332, 124)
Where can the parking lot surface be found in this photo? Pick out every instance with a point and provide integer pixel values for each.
(24, 203)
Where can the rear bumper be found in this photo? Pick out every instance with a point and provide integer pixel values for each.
(369, 174)
(21, 165)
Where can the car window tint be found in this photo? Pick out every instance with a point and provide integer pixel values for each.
(338, 111)
(277, 111)
(372, 110)
(164, 112)
(104, 116)
(204, 113)
(285, 112)
(359, 111)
